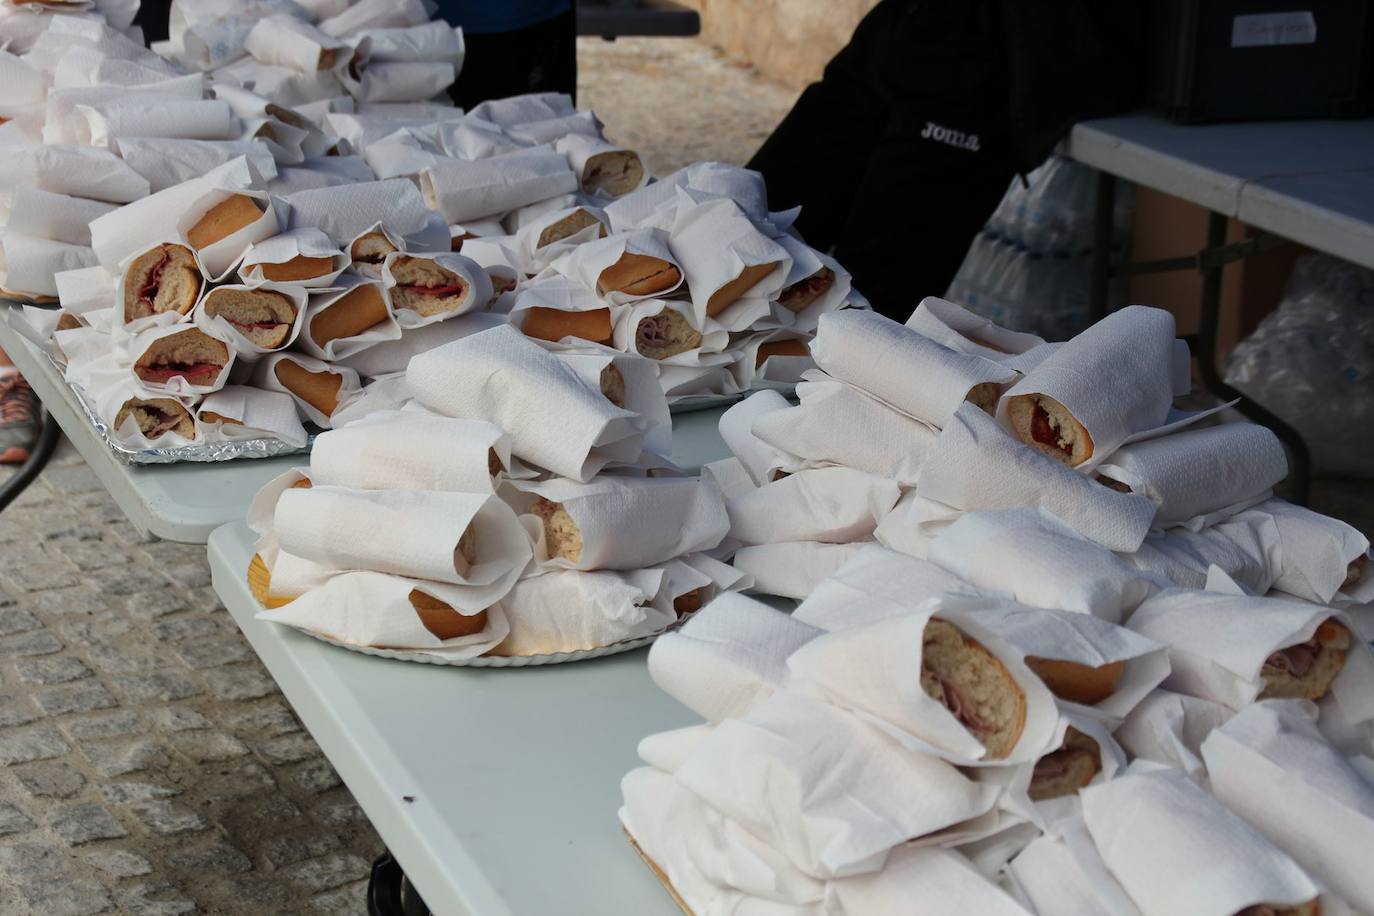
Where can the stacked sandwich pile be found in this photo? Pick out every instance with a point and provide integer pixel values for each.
(904, 431)
(904, 736)
(513, 507)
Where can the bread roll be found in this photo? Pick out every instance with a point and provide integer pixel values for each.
(617, 172)
(613, 385)
(1306, 671)
(666, 334)
(974, 686)
(1353, 572)
(690, 602)
(224, 219)
(562, 537)
(555, 324)
(156, 417)
(792, 347)
(264, 316)
(301, 267)
(455, 243)
(426, 288)
(209, 416)
(638, 275)
(371, 248)
(351, 314)
(318, 389)
(804, 293)
(1047, 426)
(1310, 908)
(162, 279)
(442, 620)
(569, 225)
(1066, 770)
(68, 322)
(1077, 683)
(748, 278)
(984, 396)
(191, 354)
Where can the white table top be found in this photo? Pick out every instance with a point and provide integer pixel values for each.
(514, 773)
(185, 502)
(1308, 181)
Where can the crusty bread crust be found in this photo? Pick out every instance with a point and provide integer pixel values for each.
(666, 334)
(569, 225)
(974, 685)
(1310, 908)
(638, 275)
(416, 281)
(442, 620)
(617, 172)
(371, 248)
(235, 212)
(250, 311)
(351, 314)
(805, 292)
(162, 279)
(1045, 425)
(555, 324)
(1077, 683)
(748, 278)
(690, 602)
(190, 347)
(1306, 671)
(613, 385)
(984, 396)
(156, 417)
(318, 389)
(562, 537)
(301, 267)
(791, 347)
(1067, 769)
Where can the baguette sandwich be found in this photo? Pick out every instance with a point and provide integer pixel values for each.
(555, 324)
(156, 417)
(301, 267)
(1306, 671)
(162, 279)
(616, 172)
(235, 212)
(638, 275)
(263, 316)
(319, 389)
(730, 292)
(666, 334)
(190, 354)
(351, 314)
(425, 287)
(1066, 770)
(1047, 426)
(973, 684)
(569, 225)
(804, 293)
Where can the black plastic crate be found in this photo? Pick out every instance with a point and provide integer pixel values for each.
(1247, 60)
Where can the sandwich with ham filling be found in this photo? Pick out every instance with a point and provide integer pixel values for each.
(156, 417)
(958, 672)
(666, 334)
(1310, 908)
(1066, 770)
(190, 354)
(1306, 671)
(1047, 426)
(803, 294)
(426, 288)
(613, 385)
(263, 316)
(562, 537)
(162, 279)
(371, 248)
(616, 172)
(568, 226)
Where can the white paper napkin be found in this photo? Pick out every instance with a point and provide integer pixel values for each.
(642, 394)
(306, 242)
(976, 465)
(1049, 876)
(914, 523)
(959, 329)
(471, 189)
(521, 109)
(165, 162)
(387, 357)
(759, 459)
(1246, 547)
(567, 610)
(30, 263)
(435, 40)
(77, 171)
(834, 505)
(344, 212)
(1176, 849)
(875, 584)
(1169, 728)
(376, 14)
(882, 357)
(259, 414)
(793, 569)
(287, 41)
(57, 217)
(188, 119)
(585, 150)
(553, 419)
(410, 450)
(715, 243)
(1316, 551)
(551, 129)
(808, 263)
(399, 81)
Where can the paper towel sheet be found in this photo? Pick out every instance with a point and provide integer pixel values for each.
(77, 171)
(1318, 554)
(567, 610)
(521, 109)
(436, 40)
(833, 505)
(914, 523)
(471, 189)
(1169, 728)
(259, 413)
(642, 393)
(761, 460)
(410, 450)
(1246, 547)
(808, 264)
(392, 356)
(715, 243)
(30, 263)
(959, 329)
(793, 569)
(344, 212)
(56, 217)
(165, 162)
(874, 584)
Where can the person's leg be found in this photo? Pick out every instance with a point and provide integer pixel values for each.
(18, 414)
(541, 58)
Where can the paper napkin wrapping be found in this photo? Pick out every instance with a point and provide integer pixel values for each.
(1246, 547)
(806, 262)
(552, 418)
(465, 190)
(1169, 728)
(151, 116)
(410, 533)
(629, 523)
(778, 368)
(882, 357)
(837, 423)
(344, 212)
(1176, 849)
(587, 261)
(110, 398)
(472, 138)
(1219, 642)
(643, 394)
(376, 14)
(521, 109)
(391, 356)
(374, 609)
(129, 351)
(77, 171)
(265, 376)
(976, 465)
(30, 263)
(1316, 551)
(434, 40)
(166, 161)
(873, 670)
(221, 327)
(714, 243)
(399, 81)
(389, 329)
(410, 450)
(1015, 781)
(1050, 876)
(1110, 377)
(306, 242)
(552, 290)
(834, 505)
(580, 148)
(538, 256)
(1272, 766)
(793, 569)
(550, 129)
(959, 329)
(1040, 561)
(875, 584)
(56, 217)
(729, 658)
(287, 41)
(259, 414)
(566, 610)
(914, 523)
(1194, 473)
(759, 459)
(476, 278)
(634, 331)
(831, 793)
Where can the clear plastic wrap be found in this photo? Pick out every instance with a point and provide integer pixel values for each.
(1311, 361)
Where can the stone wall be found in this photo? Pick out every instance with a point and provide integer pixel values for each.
(788, 41)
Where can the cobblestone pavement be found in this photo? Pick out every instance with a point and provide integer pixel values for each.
(148, 764)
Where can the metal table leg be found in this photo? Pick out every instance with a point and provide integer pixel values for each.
(1300, 467)
(1102, 246)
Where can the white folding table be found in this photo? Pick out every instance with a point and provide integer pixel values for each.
(186, 501)
(496, 789)
(1310, 182)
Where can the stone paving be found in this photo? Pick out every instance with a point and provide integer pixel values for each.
(148, 764)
